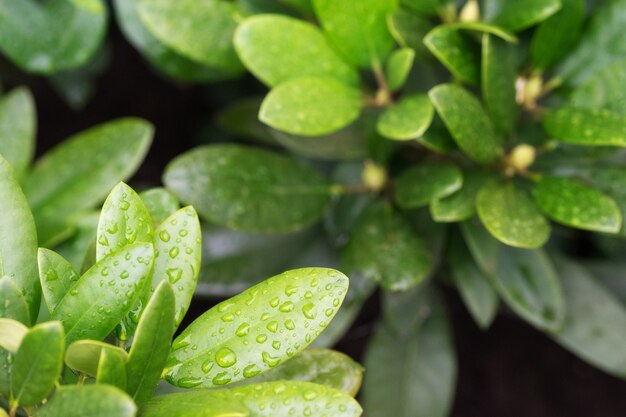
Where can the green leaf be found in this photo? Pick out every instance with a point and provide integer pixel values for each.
(304, 6)
(321, 366)
(437, 138)
(57, 276)
(17, 129)
(111, 369)
(398, 67)
(595, 323)
(151, 344)
(88, 400)
(358, 30)
(575, 204)
(499, 74)
(486, 28)
(45, 38)
(12, 302)
(591, 127)
(407, 119)
(460, 205)
(528, 283)
(558, 34)
(385, 249)
(248, 189)
(79, 173)
(278, 48)
(405, 311)
(474, 287)
(482, 245)
(37, 364)
(511, 216)
(200, 31)
(456, 51)
(517, 15)
(93, 298)
(425, 7)
(18, 246)
(85, 355)
(311, 106)
(467, 121)
(12, 333)
(426, 182)
(257, 329)
(198, 403)
(75, 248)
(603, 90)
(408, 30)
(160, 203)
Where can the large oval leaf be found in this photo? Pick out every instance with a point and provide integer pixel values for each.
(248, 189)
(481, 244)
(17, 129)
(88, 400)
(56, 275)
(257, 329)
(592, 127)
(602, 90)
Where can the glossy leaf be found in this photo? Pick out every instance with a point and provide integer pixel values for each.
(37, 364)
(257, 329)
(511, 216)
(481, 244)
(603, 90)
(461, 204)
(499, 74)
(12, 302)
(517, 15)
(407, 119)
(591, 127)
(17, 129)
(398, 67)
(160, 203)
(456, 51)
(45, 38)
(385, 249)
(56, 275)
(200, 31)
(18, 246)
(94, 299)
(198, 403)
(311, 106)
(111, 369)
(248, 189)
(358, 30)
(467, 121)
(426, 182)
(88, 400)
(298, 49)
(85, 355)
(575, 204)
(11, 334)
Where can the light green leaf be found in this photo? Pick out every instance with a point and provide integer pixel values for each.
(93, 298)
(384, 248)
(56, 276)
(45, 38)
(528, 283)
(460, 205)
(18, 246)
(428, 181)
(278, 48)
(511, 216)
(75, 248)
(456, 51)
(575, 204)
(248, 189)
(160, 203)
(408, 29)
(591, 127)
(358, 30)
(12, 302)
(18, 128)
(11, 334)
(111, 369)
(198, 403)
(603, 90)
(482, 245)
(311, 106)
(425, 7)
(499, 74)
(486, 28)
(88, 400)
(85, 355)
(37, 364)
(201, 31)
(398, 67)
(407, 119)
(516, 15)
(151, 344)
(467, 121)
(257, 329)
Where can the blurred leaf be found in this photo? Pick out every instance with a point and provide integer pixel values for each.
(111, 370)
(248, 189)
(160, 203)
(408, 29)
(241, 119)
(18, 127)
(398, 67)
(85, 355)
(75, 248)
(517, 15)
(499, 74)
(591, 127)
(426, 182)
(603, 90)
(461, 204)
(407, 119)
(12, 306)
(304, 6)
(486, 28)
(456, 51)
(405, 311)
(482, 245)
(56, 276)
(437, 138)
(88, 400)
(425, 7)
(12, 333)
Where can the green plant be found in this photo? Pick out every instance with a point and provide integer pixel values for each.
(108, 338)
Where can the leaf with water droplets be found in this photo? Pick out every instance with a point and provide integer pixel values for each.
(160, 203)
(56, 276)
(151, 344)
(85, 355)
(426, 182)
(11, 334)
(88, 400)
(105, 293)
(237, 338)
(17, 129)
(590, 127)
(111, 369)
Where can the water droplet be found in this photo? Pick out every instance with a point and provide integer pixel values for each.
(270, 360)
(174, 274)
(286, 307)
(308, 295)
(222, 378)
(243, 329)
(329, 312)
(164, 236)
(310, 395)
(112, 228)
(102, 240)
(272, 326)
(336, 302)
(276, 344)
(274, 301)
(329, 287)
(180, 343)
(314, 282)
(309, 311)
(189, 382)
(188, 251)
(265, 316)
(183, 233)
(290, 325)
(174, 252)
(307, 338)
(207, 365)
(307, 412)
(225, 357)
(291, 290)
(73, 291)
(261, 338)
(124, 205)
(251, 370)
(228, 317)
(124, 274)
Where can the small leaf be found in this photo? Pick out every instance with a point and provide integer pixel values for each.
(358, 30)
(11, 334)
(591, 127)
(467, 121)
(575, 204)
(85, 355)
(111, 369)
(298, 49)
(460, 205)
(311, 106)
(481, 244)
(456, 51)
(17, 129)
(88, 400)
(398, 67)
(160, 203)
(249, 189)
(407, 119)
(511, 216)
(499, 74)
(518, 15)
(12, 302)
(428, 181)
(151, 344)
(277, 318)
(56, 276)
(408, 29)
(37, 364)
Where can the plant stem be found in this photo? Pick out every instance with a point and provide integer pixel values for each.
(13, 411)
(383, 95)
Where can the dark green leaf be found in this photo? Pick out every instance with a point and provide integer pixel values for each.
(437, 138)
(88, 400)
(56, 275)
(603, 90)
(408, 29)
(482, 245)
(499, 74)
(405, 311)
(426, 182)
(460, 205)
(85, 355)
(160, 203)
(592, 127)
(486, 28)
(111, 369)
(456, 51)
(17, 129)
(407, 119)
(398, 67)
(516, 15)
(12, 302)
(425, 7)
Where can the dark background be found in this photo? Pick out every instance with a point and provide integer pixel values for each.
(510, 370)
